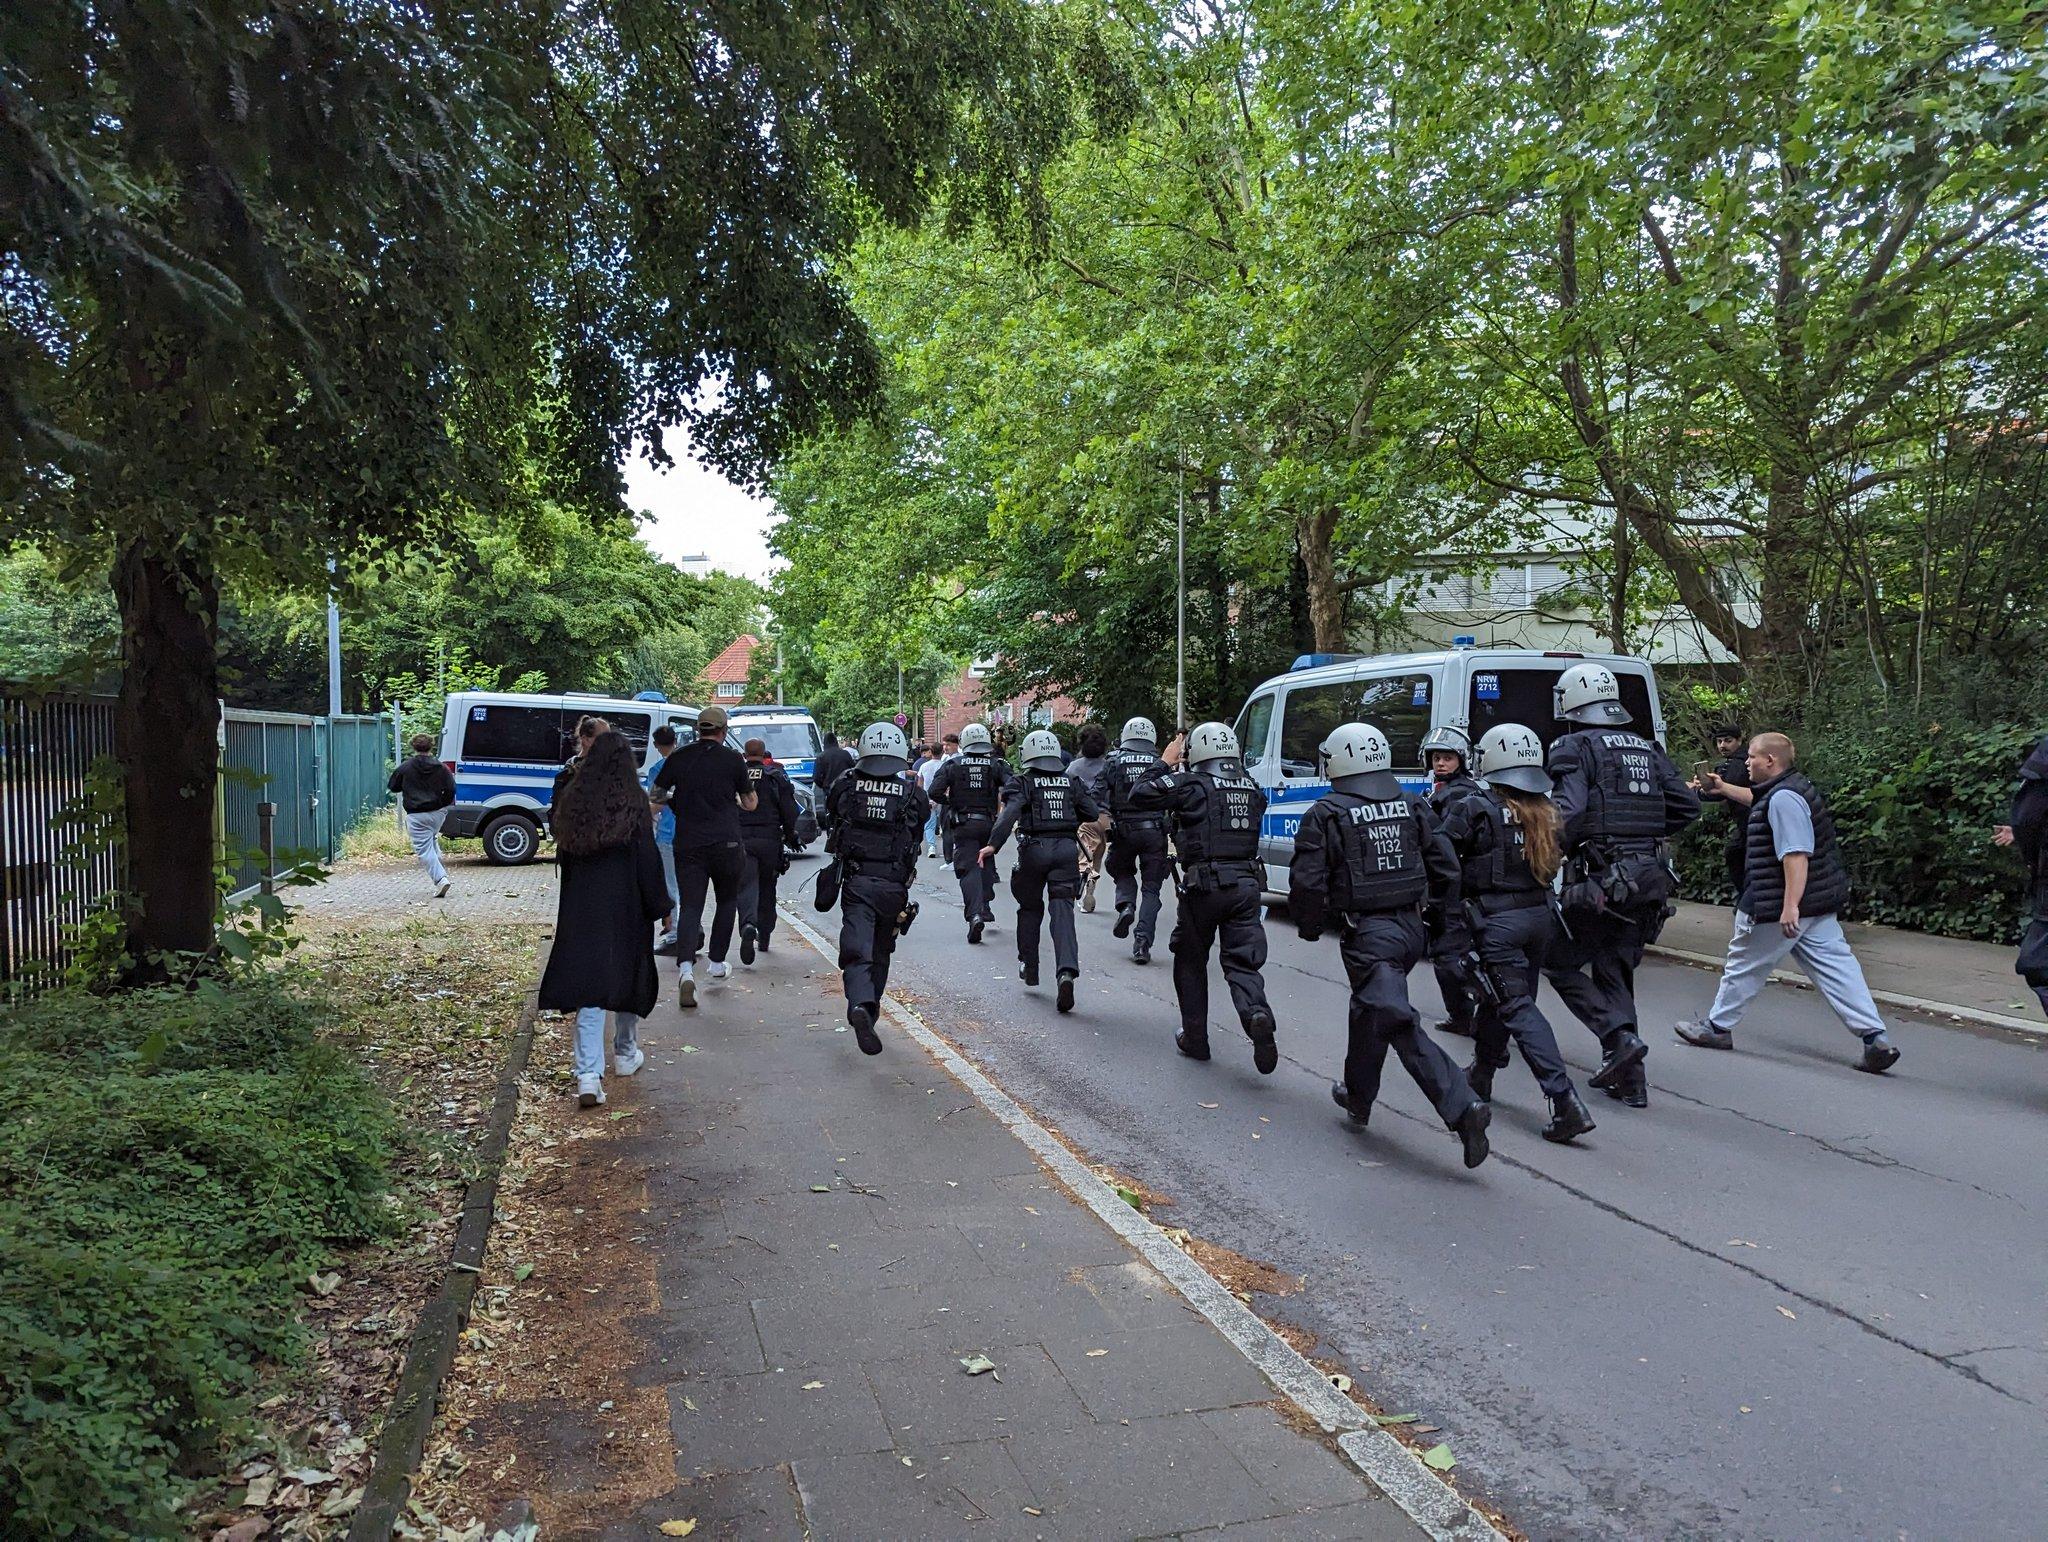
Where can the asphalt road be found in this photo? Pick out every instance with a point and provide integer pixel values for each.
(1787, 1300)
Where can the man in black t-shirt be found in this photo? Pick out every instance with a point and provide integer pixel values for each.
(706, 785)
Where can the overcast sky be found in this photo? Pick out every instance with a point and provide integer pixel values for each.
(695, 510)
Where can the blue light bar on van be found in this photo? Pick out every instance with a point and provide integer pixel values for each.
(1318, 660)
(1464, 642)
(649, 696)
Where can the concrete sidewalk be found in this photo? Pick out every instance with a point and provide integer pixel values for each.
(1944, 975)
(835, 1234)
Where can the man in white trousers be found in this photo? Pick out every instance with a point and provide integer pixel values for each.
(425, 790)
(1793, 888)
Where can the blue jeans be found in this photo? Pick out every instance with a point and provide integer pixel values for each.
(589, 1056)
(931, 827)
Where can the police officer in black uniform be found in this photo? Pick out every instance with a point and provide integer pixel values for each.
(1213, 812)
(970, 788)
(1046, 807)
(1621, 800)
(1448, 754)
(877, 831)
(767, 836)
(1369, 855)
(2028, 830)
(1138, 861)
(1507, 840)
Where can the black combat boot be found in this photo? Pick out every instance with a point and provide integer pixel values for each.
(1265, 1052)
(1471, 1129)
(1141, 952)
(1569, 1118)
(1622, 1049)
(1480, 1074)
(1462, 1027)
(1028, 971)
(974, 931)
(1066, 991)
(1341, 1096)
(1189, 1047)
(863, 1019)
(1635, 1087)
(1126, 918)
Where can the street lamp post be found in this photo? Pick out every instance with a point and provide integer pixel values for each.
(1180, 590)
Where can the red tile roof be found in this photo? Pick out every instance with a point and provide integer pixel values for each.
(735, 663)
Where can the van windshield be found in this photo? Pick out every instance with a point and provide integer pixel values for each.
(1523, 696)
(785, 741)
(1397, 705)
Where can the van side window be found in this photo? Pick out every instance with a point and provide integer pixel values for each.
(1523, 696)
(1252, 726)
(1399, 706)
(509, 735)
(636, 726)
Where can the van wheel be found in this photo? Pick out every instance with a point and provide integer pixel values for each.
(511, 840)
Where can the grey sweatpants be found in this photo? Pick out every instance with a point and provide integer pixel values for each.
(1822, 951)
(424, 832)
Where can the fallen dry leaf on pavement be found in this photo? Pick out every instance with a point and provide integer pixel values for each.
(1440, 1458)
(1782, 1312)
(679, 1528)
(977, 1365)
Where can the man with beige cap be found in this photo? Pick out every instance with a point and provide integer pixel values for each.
(706, 783)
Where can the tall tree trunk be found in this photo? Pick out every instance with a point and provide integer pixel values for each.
(166, 735)
(1782, 565)
(1617, 592)
(1315, 538)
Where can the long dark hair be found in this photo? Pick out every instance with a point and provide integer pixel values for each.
(604, 804)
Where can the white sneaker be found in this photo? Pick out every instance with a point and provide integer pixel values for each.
(589, 1091)
(686, 991)
(931, 851)
(718, 971)
(628, 1060)
(441, 889)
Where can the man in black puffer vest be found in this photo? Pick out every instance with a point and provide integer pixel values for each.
(2029, 831)
(1793, 886)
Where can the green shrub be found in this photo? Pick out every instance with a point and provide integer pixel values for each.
(172, 1166)
(1915, 794)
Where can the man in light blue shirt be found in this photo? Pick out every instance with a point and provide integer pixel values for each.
(665, 844)
(1793, 886)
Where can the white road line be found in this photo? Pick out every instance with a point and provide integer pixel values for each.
(1394, 1469)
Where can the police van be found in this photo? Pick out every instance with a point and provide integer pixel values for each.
(505, 749)
(793, 741)
(1404, 695)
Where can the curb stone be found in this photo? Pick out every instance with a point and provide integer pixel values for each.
(1396, 1471)
(431, 1350)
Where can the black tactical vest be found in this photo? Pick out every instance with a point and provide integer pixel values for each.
(1126, 769)
(765, 817)
(1049, 810)
(1763, 872)
(974, 788)
(1499, 862)
(1625, 785)
(874, 829)
(1228, 830)
(1380, 866)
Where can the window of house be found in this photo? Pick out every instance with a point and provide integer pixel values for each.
(1253, 725)
(526, 736)
(732, 689)
(1399, 706)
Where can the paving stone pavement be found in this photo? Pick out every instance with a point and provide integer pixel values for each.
(384, 886)
(835, 1233)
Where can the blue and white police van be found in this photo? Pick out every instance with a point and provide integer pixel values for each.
(505, 749)
(793, 741)
(1404, 695)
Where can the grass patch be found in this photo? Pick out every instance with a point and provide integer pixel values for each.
(377, 836)
(173, 1166)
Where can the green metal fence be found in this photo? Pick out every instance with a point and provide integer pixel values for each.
(324, 774)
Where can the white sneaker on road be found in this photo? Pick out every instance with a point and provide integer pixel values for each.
(441, 889)
(686, 990)
(628, 1060)
(718, 970)
(589, 1091)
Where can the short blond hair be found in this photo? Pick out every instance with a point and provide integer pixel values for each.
(1777, 746)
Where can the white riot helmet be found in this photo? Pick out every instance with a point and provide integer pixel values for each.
(1356, 749)
(1588, 693)
(1041, 751)
(1142, 730)
(1212, 741)
(975, 740)
(883, 749)
(1512, 756)
(1449, 739)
